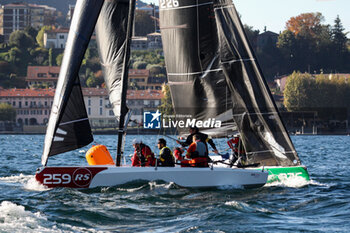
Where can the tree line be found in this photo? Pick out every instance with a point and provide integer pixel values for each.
(26, 48)
(328, 95)
(307, 45)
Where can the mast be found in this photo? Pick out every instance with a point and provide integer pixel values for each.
(125, 73)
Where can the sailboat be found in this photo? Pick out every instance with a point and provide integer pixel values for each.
(214, 74)
(69, 127)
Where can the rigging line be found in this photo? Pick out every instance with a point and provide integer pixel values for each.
(239, 60)
(184, 7)
(198, 42)
(266, 151)
(69, 122)
(222, 7)
(260, 113)
(193, 73)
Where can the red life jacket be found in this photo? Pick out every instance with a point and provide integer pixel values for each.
(147, 153)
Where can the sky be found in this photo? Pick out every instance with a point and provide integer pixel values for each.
(275, 13)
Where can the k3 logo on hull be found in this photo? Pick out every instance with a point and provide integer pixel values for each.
(151, 120)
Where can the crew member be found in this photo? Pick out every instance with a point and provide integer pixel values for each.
(178, 151)
(203, 138)
(197, 153)
(166, 158)
(143, 155)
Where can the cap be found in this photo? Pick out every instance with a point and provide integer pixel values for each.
(136, 141)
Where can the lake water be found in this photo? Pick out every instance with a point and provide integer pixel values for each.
(321, 205)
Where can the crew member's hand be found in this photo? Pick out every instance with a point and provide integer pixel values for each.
(177, 141)
(216, 152)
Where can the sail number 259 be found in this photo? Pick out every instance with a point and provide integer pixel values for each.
(57, 179)
(169, 3)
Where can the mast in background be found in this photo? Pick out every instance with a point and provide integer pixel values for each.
(125, 74)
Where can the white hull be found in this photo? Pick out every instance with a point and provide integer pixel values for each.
(106, 176)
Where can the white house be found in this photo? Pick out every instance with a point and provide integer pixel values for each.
(56, 39)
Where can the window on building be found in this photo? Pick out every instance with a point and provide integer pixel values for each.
(20, 104)
(101, 102)
(45, 103)
(42, 75)
(89, 111)
(61, 36)
(26, 103)
(101, 111)
(89, 102)
(45, 112)
(111, 112)
(14, 103)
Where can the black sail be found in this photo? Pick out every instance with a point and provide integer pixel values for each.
(205, 35)
(113, 33)
(111, 29)
(68, 127)
(197, 82)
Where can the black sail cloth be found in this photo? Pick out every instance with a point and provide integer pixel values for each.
(111, 29)
(197, 83)
(68, 127)
(113, 32)
(207, 53)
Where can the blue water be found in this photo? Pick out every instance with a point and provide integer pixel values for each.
(321, 205)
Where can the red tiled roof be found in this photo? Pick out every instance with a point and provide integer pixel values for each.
(144, 95)
(33, 71)
(132, 94)
(95, 92)
(135, 72)
(15, 5)
(59, 30)
(27, 92)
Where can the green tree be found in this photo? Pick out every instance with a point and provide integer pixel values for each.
(50, 57)
(166, 107)
(21, 40)
(40, 56)
(7, 112)
(139, 65)
(93, 80)
(297, 92)
(252, 35)
(144, 24)
(59, 59)
(32, 32)
(338, 36)
(40, 36)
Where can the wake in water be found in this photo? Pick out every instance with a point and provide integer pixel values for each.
(294, 182)
(14, 218)
(27, 181)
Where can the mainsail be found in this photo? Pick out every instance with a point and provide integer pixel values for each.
(212, 70)
(197, 82)
(113, 33)
(69, 127)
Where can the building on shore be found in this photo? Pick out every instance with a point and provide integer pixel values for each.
(42, 76)
(33, 106)
(150, 42)
(18, 16)
(140, 79)
(47, 76)
(56, 39)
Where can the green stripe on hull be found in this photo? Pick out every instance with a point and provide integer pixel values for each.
(283, 173)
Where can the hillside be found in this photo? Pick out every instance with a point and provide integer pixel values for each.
(61, 5)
